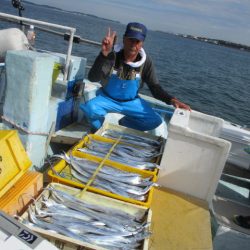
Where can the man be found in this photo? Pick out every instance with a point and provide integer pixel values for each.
(122, 70)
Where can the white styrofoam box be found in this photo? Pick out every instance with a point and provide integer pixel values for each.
(76, 68)
(90, 89)
(193, 158)
(199, 122)
(112, 118)
(240, 138)
(26, 105)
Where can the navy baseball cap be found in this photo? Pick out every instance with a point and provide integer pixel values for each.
(136, 30)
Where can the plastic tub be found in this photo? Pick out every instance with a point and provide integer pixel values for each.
(14, 161)
(66, 178)
(194, 157)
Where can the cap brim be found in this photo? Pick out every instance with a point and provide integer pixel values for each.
(139, 38)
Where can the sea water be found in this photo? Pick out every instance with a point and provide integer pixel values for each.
(210, 78)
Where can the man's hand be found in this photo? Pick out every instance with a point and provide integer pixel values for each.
(108, 41)
(176, 103)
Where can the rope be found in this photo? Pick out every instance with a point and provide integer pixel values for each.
(80, 195)
(23, 129)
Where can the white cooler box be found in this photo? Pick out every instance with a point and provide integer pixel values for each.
(194, 156)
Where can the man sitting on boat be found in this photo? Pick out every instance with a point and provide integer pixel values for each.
(122, 70)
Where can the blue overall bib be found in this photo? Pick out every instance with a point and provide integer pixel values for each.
(121, 96)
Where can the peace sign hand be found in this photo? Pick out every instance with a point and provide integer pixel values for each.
(108, 41)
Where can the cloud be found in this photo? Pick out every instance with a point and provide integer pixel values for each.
(229, 9)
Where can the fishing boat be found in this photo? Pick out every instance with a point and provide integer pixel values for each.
(46, 114)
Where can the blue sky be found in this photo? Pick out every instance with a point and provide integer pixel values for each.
(221, 19)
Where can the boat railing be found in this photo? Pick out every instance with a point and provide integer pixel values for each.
(46, 26)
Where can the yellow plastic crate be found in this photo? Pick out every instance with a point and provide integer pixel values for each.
(86, 139)
(63, 168)
(67, 243)
(29, 185)
(14, 161)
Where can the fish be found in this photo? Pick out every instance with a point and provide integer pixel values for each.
(111, 228)
(133, 139)
(135, 153)
(77, 204)
(144, 165)
(116, 181)
(108, 186)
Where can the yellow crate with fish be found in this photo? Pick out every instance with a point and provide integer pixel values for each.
(107, 129)
(72, 221)
(106, 177)
(133, 136)
(129, 151)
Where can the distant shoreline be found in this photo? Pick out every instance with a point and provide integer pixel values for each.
(217, 42)
(75, 12)
(202, 39)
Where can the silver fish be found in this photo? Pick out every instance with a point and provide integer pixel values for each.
(133, 186)
(133, 139)
(128, 161)
(107, 227)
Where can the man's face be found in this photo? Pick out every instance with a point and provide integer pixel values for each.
(132, 46)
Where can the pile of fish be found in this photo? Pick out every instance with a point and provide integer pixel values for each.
(135, 151)
(133, 139)
(114, 180)
(107, 227)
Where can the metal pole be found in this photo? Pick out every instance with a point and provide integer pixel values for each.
(33, 21)
(65, 76)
